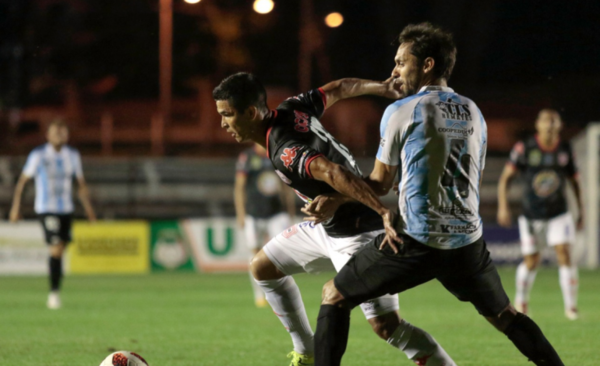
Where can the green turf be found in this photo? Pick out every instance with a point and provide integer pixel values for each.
(192, 319)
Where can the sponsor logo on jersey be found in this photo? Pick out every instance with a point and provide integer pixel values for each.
(268, 184)
(535, 157)
(455, 210)
(301, 121)
(458, 229)
(457, 129)
(545, 183)
(453, 110)
(285, 179)
(563, 158)
(382, 142)
(288, 156)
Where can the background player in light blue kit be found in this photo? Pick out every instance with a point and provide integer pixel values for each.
(54, 165)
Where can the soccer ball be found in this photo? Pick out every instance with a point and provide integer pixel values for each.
(124, 358)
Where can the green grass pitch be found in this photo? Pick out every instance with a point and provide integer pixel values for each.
(210, 319)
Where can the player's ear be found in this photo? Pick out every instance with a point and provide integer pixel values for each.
(428, 65)
(251, 112)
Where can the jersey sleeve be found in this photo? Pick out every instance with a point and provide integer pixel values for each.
(293, 159)
(570, 168)
(31, 166)
(392, 123)
(77, 167)
(517, 156)
(241, 166)
(313, 102)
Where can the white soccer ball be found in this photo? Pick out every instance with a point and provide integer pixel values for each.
(124, 358)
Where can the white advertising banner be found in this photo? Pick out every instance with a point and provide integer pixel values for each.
(22, 248)
(217, 244)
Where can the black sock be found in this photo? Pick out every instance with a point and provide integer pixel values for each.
(530, 340)
(55, 273)
(331, 337)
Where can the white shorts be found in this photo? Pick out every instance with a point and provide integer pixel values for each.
(259, 231)
(306, 248)
(538, 234)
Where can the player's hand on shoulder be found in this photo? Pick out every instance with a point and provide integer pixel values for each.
(504, 217)
(323, 207)
(393, 88)
(390, 218)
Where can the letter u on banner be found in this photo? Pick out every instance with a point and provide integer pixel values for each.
(222, 249)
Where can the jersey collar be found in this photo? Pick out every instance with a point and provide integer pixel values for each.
(444, 89)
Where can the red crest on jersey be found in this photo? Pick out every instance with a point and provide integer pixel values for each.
(288, 156)
(301, 121)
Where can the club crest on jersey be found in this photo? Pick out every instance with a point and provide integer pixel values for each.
(563, 158)
(288, 156)
(285, 179)
(453, 110)
(534, 158)
(301, 121)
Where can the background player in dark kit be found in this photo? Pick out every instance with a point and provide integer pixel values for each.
(546, 163)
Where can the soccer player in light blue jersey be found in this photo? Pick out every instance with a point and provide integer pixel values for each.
(434, 140)
(54, 165)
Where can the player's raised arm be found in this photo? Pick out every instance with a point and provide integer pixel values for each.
(348, 184)
(351, 87)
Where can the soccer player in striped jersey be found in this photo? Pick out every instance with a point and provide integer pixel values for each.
(435, 141)
(546, 163)
(54, 165)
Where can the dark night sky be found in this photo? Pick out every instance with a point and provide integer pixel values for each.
(509, 52)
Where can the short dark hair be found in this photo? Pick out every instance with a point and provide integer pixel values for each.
(242, 90)
(431, 41)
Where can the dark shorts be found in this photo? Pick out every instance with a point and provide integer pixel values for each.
(466, 272)
(57, 227)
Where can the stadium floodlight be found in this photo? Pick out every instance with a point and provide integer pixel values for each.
(334, 20)
(192, 1)
(263, 6)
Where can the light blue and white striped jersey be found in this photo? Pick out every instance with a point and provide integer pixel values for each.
(438, 139)
(53, 172)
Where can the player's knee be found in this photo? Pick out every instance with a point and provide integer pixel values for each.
(385, 325)
(57, 250)
(532, 261)
(563, 255)
(263, 269)
(331, 295)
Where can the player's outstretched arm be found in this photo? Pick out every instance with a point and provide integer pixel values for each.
(509, 172)
(84, 197)
(350, 87)
(16, 203)
(381, 179)
(348, 184)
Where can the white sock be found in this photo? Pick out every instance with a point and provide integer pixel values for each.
(569, 283)
(419, 346)
(258, 292)
(525, 279)
(284, 297)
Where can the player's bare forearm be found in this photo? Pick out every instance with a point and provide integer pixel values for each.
(16, 202)
(290, 201)
(84, 198)
(506, 177)
(352, 87)
(381, 179)
(346, 183)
